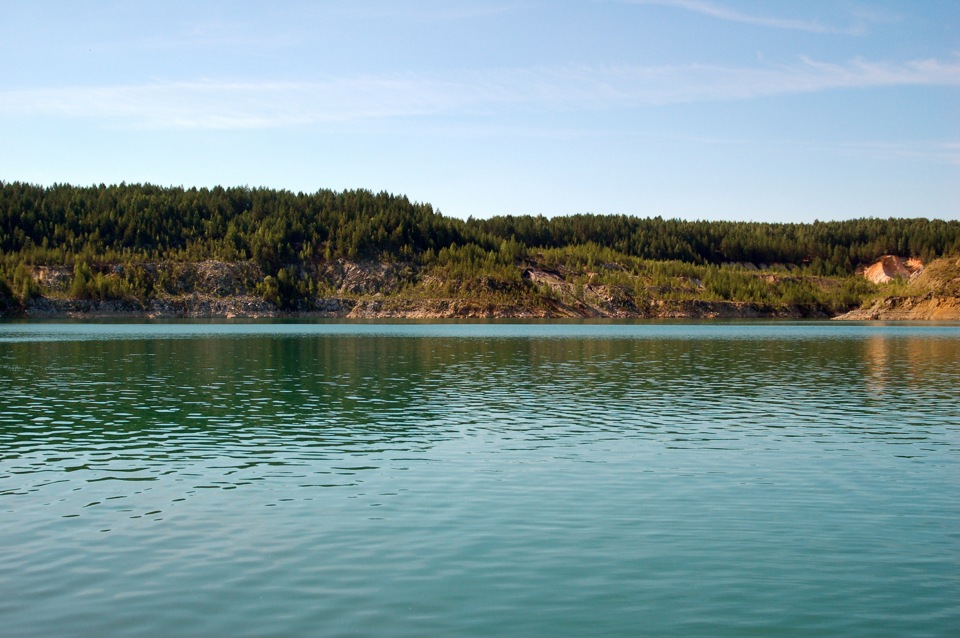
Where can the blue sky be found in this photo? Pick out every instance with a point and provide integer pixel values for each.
(694, 109)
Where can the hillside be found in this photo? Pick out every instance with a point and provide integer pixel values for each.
(553, 285)
(149, 250)
(933, 294)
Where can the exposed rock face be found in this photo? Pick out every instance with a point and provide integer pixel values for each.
(224, 279)
(933, 294)
(53, 277)
(364, 277)
(890, 267)
(198, 306)
(374, 289)
(167, 307)
(927, 308)
(458, 308)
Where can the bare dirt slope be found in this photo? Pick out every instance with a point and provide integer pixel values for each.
(891, 267)
(932, 294)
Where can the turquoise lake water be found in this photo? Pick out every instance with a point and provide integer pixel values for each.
(475, 479)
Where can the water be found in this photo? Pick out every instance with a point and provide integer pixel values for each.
(551, 479)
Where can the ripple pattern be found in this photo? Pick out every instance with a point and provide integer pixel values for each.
(409, 479)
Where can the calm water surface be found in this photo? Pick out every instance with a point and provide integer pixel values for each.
(479, 479)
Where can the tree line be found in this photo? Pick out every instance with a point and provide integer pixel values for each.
(282, 232)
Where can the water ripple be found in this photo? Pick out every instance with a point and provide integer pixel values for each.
(477, 479)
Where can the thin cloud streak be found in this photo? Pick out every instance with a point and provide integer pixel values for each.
(724, 13)
(442, 11)
(942, 152)
(250, 105)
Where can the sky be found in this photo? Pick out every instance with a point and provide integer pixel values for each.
(754, 110)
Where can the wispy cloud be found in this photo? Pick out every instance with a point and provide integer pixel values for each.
(722, 12)
(436, 11)
(926, 151)
(944, 152)
(213, 104)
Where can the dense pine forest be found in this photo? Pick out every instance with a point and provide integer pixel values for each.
(288, 235)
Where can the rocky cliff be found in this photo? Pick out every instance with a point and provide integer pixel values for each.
(373, 289)
(891, 267)
(930, 293)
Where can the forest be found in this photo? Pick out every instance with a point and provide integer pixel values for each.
(288, 234)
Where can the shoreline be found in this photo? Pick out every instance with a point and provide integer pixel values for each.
(394, 308)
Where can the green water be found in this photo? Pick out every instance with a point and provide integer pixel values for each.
(551, 479)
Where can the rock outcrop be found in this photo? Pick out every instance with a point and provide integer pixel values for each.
(374, 289)
(890, 267)
(931, 293)
(926, 308)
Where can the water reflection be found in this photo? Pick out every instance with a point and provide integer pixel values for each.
(314, 477)
(232, 411)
